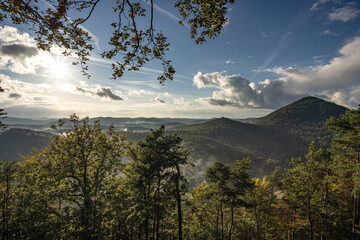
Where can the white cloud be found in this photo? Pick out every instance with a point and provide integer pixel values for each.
(11, 35)
(320, 56)
(237, 91)
(229, 61)
(345, 14)
(328, 32)
(141, 92)
(340, 72)
(19, 53)
(349, 97)
(181, 102)
(19, 92)
(339, 80)
(318, 3)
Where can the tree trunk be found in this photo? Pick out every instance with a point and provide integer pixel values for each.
(353, 230)
(222, 221)
(326, 203)
(4, 210)
(232, 221)
(217, 221)
(311, 230)
(178, 200)
(158, 207)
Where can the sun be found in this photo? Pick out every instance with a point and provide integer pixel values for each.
(57, 68)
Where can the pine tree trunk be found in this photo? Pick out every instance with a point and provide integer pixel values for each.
(311, 233)
(178, 200)
(232, 221)
(217, 221)
(353, 230)
(158, 209)
(222, 221)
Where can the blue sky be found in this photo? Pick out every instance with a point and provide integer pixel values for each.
(269, 54)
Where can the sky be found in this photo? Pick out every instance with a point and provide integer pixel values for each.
(269, 54)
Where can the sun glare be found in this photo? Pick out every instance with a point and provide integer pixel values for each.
(57, 69)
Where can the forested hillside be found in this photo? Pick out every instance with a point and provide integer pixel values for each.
(91, 183)
(306, 118)
(226, 140)
(270, 143)
(21, 141)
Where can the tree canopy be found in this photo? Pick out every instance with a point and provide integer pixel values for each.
(131, 44)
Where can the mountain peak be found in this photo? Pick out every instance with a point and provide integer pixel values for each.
(308, 109)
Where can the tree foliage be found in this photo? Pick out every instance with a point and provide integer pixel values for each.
(79, 188)
(131, 44)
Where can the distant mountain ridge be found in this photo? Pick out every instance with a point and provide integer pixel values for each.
(140, 124)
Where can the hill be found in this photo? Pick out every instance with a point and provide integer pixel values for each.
(305, 118)
(140, 124)
(227, 140)
(15, 141)
(270, 142)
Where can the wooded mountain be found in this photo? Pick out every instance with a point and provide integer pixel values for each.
(306, 118)
(269, 142)
(226, 140)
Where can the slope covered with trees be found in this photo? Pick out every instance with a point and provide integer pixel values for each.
(226, 140)
(21, 141)
(269, 145)
(91, 184)
(306, 118)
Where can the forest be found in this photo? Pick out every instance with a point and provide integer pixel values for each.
(95, 184)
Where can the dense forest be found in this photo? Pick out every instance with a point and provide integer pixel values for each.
(95, 184)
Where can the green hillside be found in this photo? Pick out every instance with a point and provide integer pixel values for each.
(305, 118)
(15, 141)
(226, 140)
(270, 142)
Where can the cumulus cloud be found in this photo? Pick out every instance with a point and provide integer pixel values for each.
(12, 36)
(237, 91)
(345, 14)
(349, 97)
(229, 61)
(102, 92)
(18, 51)
(338, 80)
